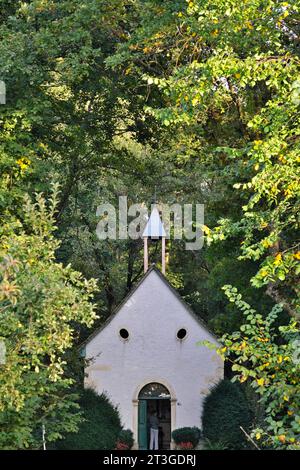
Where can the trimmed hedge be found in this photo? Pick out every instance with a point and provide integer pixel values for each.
(101, 427)
(225, 409)
(187, 434)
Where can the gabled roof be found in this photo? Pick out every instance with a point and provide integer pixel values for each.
(138, 284)
(154, 227)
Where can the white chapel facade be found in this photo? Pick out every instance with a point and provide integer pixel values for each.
(147, 357)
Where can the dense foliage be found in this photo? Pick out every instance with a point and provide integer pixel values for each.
(267, 356)
(225, 409)
(100, 427)
(231, 83)
(40, 303)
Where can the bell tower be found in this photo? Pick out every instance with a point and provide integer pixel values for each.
(154, 230)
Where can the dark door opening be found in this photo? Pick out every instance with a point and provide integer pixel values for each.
(154, 398)
(163, 410)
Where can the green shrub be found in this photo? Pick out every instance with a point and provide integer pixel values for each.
(126, 437)
(225, 409)
(186, 435)
(101, 427)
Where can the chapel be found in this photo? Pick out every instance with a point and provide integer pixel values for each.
(147, 358)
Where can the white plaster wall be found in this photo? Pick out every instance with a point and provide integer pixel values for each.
(153, 315)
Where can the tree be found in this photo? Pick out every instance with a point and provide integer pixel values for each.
(64, 120)
(41, 301)
(231, 82)
(267, 356)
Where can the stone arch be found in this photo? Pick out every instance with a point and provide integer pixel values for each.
(154, 380)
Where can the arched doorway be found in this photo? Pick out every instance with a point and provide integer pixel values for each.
(154, 397)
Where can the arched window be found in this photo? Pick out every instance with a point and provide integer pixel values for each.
(154, 390)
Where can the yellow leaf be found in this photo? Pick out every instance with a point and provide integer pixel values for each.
(23, 163)
(266, 243)
(258, 435)
(278, 258)
(297, 255)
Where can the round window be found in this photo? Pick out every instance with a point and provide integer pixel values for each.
(124, 333)
(181, 334)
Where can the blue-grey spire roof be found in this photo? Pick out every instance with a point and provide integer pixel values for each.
(154, 227)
